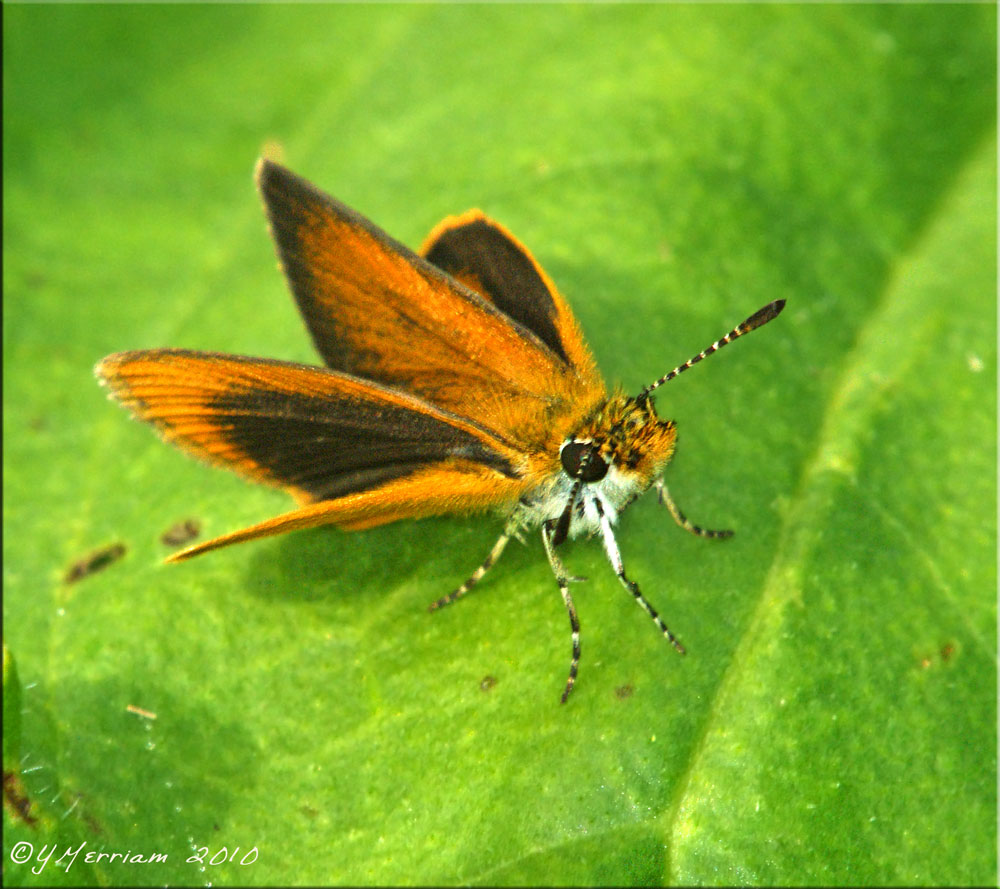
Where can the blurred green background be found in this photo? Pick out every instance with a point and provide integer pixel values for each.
(673, 168)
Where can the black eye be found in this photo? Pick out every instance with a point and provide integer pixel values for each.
(572, 455)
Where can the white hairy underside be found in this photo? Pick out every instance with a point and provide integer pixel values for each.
(614, 492)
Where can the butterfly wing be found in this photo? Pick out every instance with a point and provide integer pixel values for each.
(379, 311)
(361, 454)
(488, 259)
(434, 490)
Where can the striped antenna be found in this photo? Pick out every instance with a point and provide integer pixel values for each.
(757, 319)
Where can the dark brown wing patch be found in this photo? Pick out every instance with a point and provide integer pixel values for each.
(482, 255)
(485, 256)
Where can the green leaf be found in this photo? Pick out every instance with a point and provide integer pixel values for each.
(11, 714)
(673, 168)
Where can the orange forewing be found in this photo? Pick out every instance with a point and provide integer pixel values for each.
(321, 435)
(377, 310)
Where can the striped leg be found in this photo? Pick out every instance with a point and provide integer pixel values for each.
(682, 520)
(563, 579)
(477, 575)
(615, 557)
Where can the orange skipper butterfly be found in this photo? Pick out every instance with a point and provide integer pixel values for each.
(455, 380)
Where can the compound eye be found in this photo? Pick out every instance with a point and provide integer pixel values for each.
(572, 455)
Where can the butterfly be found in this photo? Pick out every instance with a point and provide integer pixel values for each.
(455, 380)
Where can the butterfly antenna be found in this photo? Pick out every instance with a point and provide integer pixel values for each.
(757, 319)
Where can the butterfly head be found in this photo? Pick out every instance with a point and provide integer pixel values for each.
(625, 435)
(609, 462)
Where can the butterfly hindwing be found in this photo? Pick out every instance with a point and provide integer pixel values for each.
(486, 257)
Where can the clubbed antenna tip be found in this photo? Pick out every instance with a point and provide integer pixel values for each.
(757, 319)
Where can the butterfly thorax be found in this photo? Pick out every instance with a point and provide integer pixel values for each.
(614, 457)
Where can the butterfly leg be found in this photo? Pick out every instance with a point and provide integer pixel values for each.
(682, 520)
(509, 531)
(615, 557)
(563, 579)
